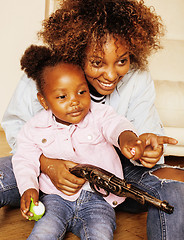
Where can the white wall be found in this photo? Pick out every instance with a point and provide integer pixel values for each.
(172, 13)
(168, 63)
(20, 21)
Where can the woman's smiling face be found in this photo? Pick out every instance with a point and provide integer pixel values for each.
(104, 69)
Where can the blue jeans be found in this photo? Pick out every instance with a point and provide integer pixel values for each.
(89, 217)
(9, 194)
(160, 225)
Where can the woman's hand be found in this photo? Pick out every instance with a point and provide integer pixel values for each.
(58, 172)
(26, 200)
(154, 148)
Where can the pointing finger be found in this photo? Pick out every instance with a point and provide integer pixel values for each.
(166, 140)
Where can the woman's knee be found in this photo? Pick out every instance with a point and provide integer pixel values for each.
(170, 173)
(9, 194)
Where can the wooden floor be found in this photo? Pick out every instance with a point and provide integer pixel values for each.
(14, 227)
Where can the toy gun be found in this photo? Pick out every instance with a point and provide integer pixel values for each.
(99, 178)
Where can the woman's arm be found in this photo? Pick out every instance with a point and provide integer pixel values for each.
(22, 106)
(58, 172)
(141, 110)
(136, 97)
(138, 94)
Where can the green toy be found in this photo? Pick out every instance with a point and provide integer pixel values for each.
(38, 211)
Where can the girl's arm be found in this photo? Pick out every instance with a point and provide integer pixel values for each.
(26, 200)
(25, 161)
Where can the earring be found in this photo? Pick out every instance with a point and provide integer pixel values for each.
(46, 108)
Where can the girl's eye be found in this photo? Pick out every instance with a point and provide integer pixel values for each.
(62, 97)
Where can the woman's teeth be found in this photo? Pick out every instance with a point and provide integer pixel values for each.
(107, 84)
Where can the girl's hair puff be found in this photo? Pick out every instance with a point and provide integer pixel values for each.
(34, 61)
(78, 23)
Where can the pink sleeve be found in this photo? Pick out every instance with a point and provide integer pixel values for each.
(26, 165)
(112, 124)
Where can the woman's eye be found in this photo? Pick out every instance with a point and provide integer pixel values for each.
(96, 63)
(82, 92)
(123, 61)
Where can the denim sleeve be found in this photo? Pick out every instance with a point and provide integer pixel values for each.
(135, 99)
(141, 108)
(22, 106)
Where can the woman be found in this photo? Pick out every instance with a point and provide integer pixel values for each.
(111, 40)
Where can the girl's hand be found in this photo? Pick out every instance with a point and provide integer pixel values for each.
(26, 200)
(134, 149)
(58, 172)
(131, 146)
(154, 148)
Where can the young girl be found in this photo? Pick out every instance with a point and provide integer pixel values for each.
(111, 40)
(71, 128)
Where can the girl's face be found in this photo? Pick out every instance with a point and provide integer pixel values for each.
(66, 93)
(105, 69)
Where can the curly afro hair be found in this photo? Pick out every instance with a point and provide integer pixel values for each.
(78, 23)
(34, 61)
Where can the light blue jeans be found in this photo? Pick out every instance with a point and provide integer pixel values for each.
(89, 217)
(160, 225)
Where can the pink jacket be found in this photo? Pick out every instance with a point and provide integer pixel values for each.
(89, 142)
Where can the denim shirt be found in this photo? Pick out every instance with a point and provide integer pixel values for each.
(133, 97)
